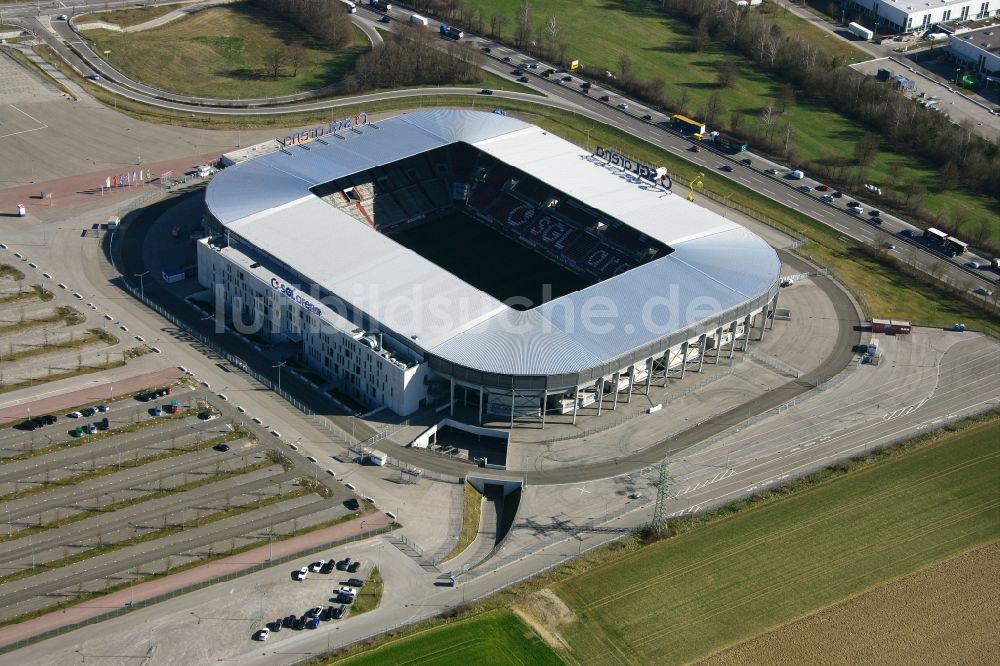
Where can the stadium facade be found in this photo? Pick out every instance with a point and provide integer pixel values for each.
(300, 252)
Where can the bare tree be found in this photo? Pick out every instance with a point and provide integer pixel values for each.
(789, 133)
(713, 108)
(522, 29)
(625, 66)
(274, 60)
(497, 23)
(768, 119)
(298, 57)
(727, 74)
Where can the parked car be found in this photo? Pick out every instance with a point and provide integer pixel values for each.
(299, 623)
(316, 566)
(338, 612)
(262, 634)
(221, 447)
(102, 408)
(328, 567)
(88, 411)
(347, 591)
(301, 574)
(355, 582)
(314, 612)
(353, 567)
(74, 415)
(343, 564)
(288, 621)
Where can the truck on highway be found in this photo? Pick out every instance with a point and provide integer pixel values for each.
(861, 31)
(450, 31)
(729, 144)
(686, 125)
(417, 19)
(380, 5)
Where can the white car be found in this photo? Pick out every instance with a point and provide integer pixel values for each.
(75, 415)
(623, 106)
(302, 573)
(262, 634)
(317, 565)
(347, 591)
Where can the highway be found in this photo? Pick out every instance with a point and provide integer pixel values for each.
(570, 96)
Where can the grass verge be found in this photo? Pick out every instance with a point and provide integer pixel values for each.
(8, 272)
(125, 18)
(495, 637)
(125, 464)
(152, 536)
(117, 506)
(370, 595)
(472, 507)
(65, 314)
(36, 291)
(224, 52)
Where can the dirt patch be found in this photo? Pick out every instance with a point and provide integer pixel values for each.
(545, 612)
(945, 613)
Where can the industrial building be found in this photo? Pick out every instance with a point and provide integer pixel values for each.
(977, 50)
(306, 250)
(897, 16)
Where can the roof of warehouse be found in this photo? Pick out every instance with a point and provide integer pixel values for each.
(716, 264)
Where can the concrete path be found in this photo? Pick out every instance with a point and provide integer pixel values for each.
(162, 586)
(93, 393)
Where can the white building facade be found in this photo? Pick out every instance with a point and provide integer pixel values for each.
(897, 16)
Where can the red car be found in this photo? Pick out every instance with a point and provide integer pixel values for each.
(822, 188)
(695, 149)
(605, 98)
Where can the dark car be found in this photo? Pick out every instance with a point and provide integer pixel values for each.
(343, 564)
(103, 424)
(487, 49)
(837, 194)
(328, 567)
(877, 221)
(275, 626)
(50, 419)
(299, 623)
(355, 582)
(314, 612)
(88, 411)
(747, 161)
(344, 599)
(726, 168)
(353, 567)
(523, 79)
(326, 613)
(874, 213)
(30, 424)
(507, 59)
(587, 85)
(647, 117)
(288, 621)
(566, 79)
(221, 447)
(384, 19)
(338, 612)
(313, 623)
(485, 91)
(906, 232)
(605, 98)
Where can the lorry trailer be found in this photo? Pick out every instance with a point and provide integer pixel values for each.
(417, 19)
(451, 31)
(861, 31)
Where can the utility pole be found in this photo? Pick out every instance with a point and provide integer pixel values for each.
(279, 366)
(662, 483)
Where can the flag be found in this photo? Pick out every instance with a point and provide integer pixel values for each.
(107, 182)
(135, 177)
(149, 175)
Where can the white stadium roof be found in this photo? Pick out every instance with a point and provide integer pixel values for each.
(716, 265)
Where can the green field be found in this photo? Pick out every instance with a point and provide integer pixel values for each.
(482, 257)
(220, 53)
(127, 17)
(741, 574)
(496, 637)
(659, 46)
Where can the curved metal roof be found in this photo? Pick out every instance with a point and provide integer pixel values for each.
(717, 267)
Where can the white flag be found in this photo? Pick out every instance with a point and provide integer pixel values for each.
(107, 182)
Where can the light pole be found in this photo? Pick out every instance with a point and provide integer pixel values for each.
(142, 289)
(279, 366)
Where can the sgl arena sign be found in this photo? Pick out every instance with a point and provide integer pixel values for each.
(652, 174)
(289, 292)
(316, 132)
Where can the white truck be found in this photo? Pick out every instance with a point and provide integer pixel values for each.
(417, 19)
(861, 31)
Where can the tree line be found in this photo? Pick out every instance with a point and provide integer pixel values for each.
(410, 57)
(963, 158)
(328, 24)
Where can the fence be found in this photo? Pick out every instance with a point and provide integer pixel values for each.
(260, 566)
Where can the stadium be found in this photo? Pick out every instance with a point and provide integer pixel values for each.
(471, 262)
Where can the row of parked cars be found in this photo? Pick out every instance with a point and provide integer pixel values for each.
(344, 595)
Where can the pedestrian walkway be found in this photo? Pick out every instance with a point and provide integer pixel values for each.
(17, 409)
(195, 576)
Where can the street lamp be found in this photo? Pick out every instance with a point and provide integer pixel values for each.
(279, 366)
(142, 289)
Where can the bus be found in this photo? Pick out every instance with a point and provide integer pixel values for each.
(947, 244)
(686, 125)
(955, 247)
(730, 144)
(935, 236)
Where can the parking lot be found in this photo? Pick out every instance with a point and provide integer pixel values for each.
(86, 512)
